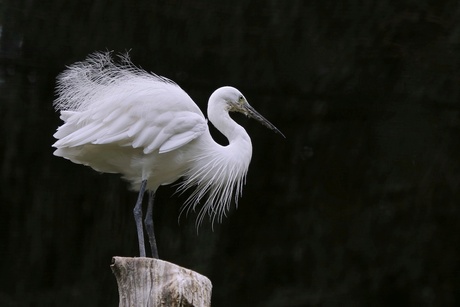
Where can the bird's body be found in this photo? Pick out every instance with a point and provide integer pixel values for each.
(121, 119)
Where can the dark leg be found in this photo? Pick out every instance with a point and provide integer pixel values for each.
(138, 218)
(148, 223)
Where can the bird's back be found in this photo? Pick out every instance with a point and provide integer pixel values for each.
(115, 113)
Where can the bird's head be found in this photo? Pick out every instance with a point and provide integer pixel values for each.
(236, 102)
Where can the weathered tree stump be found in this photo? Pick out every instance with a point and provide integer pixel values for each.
(153, 282)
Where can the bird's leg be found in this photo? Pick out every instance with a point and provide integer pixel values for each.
(138, 218)
(148, 223)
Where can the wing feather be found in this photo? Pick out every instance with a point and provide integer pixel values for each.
(102, 102)
(183, 130)
(80, 137)
(136, 128)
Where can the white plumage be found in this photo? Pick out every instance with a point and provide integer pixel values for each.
(121, 119)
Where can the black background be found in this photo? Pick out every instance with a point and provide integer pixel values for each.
(358, 206)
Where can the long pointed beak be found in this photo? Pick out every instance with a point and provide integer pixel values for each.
(251, 112)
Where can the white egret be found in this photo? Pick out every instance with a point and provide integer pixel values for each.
(121, 119)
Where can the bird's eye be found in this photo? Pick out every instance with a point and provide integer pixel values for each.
(240, 98)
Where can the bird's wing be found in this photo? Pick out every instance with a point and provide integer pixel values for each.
(142, 113)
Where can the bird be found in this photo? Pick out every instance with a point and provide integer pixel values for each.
(119, 118)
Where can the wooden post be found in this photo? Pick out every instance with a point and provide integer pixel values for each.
(153, 282)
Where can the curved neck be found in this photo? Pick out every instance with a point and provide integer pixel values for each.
(219, 117)
(219, 172)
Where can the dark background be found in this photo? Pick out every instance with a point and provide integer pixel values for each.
(358, 206)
